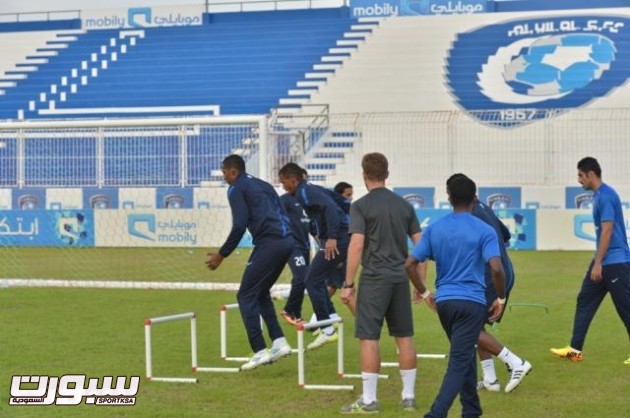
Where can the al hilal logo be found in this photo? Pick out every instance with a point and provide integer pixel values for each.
(528, 69)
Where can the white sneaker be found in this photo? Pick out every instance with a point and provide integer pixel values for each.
(258, 359)
(277, 353)
(489, 386)
(517, 375)
(322, 339)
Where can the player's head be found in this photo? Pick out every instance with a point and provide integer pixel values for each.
(589, 173)
(232, 166)
(375, 167)
(344, 189)
(461, 190)
(290, 176)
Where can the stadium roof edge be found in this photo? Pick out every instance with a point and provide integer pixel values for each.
(40, 25)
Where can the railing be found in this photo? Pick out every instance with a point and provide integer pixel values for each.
(47, 16)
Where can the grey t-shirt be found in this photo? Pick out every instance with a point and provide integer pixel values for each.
(386, 220)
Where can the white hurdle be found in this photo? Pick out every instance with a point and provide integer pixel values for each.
(300, 351)
(193, 346)
(223, 331)
(426, 356)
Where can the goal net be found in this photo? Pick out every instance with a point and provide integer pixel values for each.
(123, 200)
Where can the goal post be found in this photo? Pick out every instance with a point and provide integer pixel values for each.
(125, 199)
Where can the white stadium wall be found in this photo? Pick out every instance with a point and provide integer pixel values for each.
(431, 118)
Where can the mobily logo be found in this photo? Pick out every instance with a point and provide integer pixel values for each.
(383, 9)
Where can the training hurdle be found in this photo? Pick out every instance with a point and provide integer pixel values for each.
(223, 332)
(193, 350)
(425, 356)
(300, 352)
(148, 349)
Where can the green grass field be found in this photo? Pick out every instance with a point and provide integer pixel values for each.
(100, 332)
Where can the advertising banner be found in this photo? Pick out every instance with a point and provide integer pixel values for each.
(174, 198)
(100, 198)
(46, 228)
(500, 197)
(29, 199)
(142, 17)
(520, 222)
(162, 228)
(376, 8)
(578, 198)
(418, 197)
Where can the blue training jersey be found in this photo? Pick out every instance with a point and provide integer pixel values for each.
(255, 206)
(487, 215)
(607, 208)
(461, 245)
(300, 222)
(322, 208)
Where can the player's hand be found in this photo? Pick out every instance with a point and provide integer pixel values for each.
(417, 296)
(596, 272)
(331, 251)
(496, 310)
(346, 295)
(214, 260)
(430, 300)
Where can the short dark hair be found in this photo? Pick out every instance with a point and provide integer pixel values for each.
(587, 164)
(341, 187)
(461, 189)
(292, 170)
(234, 161)
(375, 166)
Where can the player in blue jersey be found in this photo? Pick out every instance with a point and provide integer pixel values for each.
(609, 271)
(332, 224)
(488, 345)
(334, 282)
(256, 206)
(299, 260)
(461, 245)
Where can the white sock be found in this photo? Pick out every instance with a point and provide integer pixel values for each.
(408, 378)
(329, 330)
(510, 358)
(334, 315)
(489, 374)
(370, 381)
(279, 342)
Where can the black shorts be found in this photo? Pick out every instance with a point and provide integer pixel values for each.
(379, 300)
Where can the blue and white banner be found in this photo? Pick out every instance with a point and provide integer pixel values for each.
(142, 17)
(29, 199)
(376, 8)
(46, 228)
(190, 228)
(100, 198)
(520, 222)
(526, 69)
(174, 198)
(578, 198)
(418, 197)
(500, 197)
